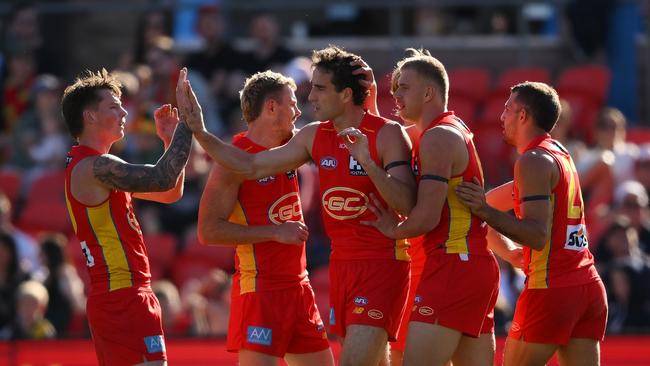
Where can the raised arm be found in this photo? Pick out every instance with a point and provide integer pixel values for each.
(284, 158)
(217, 205)
(166, 119)
(394, 180)
(114, 173)
(535, 174)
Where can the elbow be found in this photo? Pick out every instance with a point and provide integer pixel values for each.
(425, 226)
(209, 236)
(540, 240)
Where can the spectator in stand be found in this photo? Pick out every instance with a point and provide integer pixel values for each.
(53, 142)
(65, 288)
(209, 300)
(610, 139)
(626, 271)
(219, 62)
(176, 322)
(268, 52)
(11, 275)
(23, 31)
(30, 322)
(16, 93)
(165, 67)
(26, 246)
(151, 26)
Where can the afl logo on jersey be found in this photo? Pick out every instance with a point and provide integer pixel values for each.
(328, 163)
(343, 203)
(286, 208)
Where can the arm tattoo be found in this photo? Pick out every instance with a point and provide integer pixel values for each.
(161, 177)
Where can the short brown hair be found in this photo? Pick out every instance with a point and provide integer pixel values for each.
(427, 66)
(84, 93)
(541, 101)
(336, 62)
(260, 87)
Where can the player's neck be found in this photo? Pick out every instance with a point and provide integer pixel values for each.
(350, 118)
(264, 135)
(527, 137)
(428, 115)
(95, 143)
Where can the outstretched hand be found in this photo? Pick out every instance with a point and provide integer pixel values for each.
(387, 219)
(357, 143)
(166, 119)
(472, 195)
(188, 104)
(291, 232)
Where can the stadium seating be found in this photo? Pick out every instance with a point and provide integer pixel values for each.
(161, 249)
(472, 83)
(513, 76)
(592, 81)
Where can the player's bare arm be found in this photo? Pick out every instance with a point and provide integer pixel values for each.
(166, 120)
(217, 205)
(536, 174)
(501, 197)
(115, 173)
(286, 157)
(394, 180)
(438, 149)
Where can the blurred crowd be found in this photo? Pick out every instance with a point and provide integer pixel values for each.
(42, 279)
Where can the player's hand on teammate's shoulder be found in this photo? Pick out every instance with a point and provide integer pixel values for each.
(291, 232)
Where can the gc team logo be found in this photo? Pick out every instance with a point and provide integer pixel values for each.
(285, 208)
(343, 203)
(425, 311)
(375, 314)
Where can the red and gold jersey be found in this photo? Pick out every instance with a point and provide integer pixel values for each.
(345, 189)
(110, 235)
(565, 260)
(458, 232)
(267, 201)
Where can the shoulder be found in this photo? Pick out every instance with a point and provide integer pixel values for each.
(536, 161)
(442, 137)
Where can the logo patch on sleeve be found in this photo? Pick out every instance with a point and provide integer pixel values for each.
(155, 344)
(259, 335)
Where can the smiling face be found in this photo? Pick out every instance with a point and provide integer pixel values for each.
(410, 91)
(327, 103)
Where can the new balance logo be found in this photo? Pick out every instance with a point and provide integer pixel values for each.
(259, 335)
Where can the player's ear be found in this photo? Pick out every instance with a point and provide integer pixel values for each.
(89, 115)
(346, 94)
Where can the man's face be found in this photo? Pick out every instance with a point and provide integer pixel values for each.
(110, 116)
(327, 103)
(511, 118)
(288, 111)
(409, 94)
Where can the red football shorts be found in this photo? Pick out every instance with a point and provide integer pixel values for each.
(368, 292)
(126, 326)
(276, 322)
(555, 315)
(458, 293)
(400, 343)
